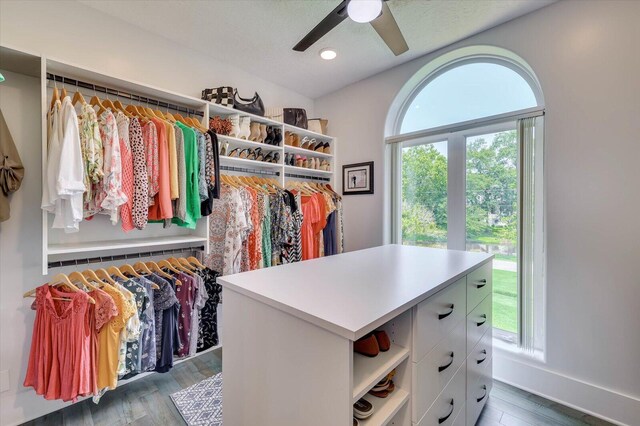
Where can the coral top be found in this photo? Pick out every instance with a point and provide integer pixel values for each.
(162, 208)
(314, 220)
(60, 355)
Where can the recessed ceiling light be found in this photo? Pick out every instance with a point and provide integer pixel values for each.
(364, 10)
(328, 54)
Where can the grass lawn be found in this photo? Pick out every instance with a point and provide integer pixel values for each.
(505, 300)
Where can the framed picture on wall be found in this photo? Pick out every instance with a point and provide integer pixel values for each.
(357, 178)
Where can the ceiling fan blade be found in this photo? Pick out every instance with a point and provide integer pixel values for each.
(330, 21)
(387, 28)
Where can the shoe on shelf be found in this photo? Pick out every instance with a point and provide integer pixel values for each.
(251, 155)
(235, 125)
(270, 136)
(224, 147)
(259, 154)
(362, 409)
(235, 153)
(254, 131)
(278, 136)
(367, 346)
(276, 157)
(244, 153)
(318, 147)
(287, 138)
(295, 140)
(305, 162)
(245, 128)
(383, 393)
(327, 148)
(383, 340)
(299, 160)
(305, 143)
(263, 133)
(268, 158)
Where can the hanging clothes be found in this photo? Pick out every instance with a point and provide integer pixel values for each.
(11, 169)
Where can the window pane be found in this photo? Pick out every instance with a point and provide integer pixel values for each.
(467, 92)
(492, 216)
(424, 195)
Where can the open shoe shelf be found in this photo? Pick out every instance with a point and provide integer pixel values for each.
(86, 247)
(384, 409)
(243, 143)
(304, 170)
(243, 162)
(369, 371)
(302, 151)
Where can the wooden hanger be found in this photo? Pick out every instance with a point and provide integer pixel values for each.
(179, 266)
(104, 275)
(113, 270)
(90, 274)
(158, 270)
(128, 269)
(121, 108)
(184, 262)
(77, 97)
(54, 96)
(63, 94)
(141, 267)
(78, 277)
(195, 261)
(96, 101)
(60, 279)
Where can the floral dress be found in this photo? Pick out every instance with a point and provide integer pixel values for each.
(111, 196)
(91, 144)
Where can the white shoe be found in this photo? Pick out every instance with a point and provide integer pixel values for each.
(245, 128)
(235, 125)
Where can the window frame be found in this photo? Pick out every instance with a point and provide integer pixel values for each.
(455, 134)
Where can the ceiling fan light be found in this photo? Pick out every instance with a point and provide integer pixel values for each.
(328, 54)
(364, 10)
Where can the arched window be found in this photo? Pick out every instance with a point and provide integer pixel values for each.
(466, 155)
(467, 91)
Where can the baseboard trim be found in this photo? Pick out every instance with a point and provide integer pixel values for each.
(597, 401)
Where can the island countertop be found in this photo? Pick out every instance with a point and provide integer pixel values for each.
(353, 293)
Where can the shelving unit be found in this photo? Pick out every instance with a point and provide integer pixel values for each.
(385, 408)
(369, 371)
(98, 234)
(302, 151)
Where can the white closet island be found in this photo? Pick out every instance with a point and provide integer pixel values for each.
(289, 333)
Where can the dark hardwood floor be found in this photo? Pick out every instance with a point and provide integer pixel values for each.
(147, 402)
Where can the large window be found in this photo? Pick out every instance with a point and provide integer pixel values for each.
(462, 165)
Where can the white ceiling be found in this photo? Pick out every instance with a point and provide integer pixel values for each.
(257, 36)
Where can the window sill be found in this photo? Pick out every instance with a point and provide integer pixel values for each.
(511, 350)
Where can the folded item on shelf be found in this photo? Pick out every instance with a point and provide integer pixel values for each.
(222, 95)
(318, 125)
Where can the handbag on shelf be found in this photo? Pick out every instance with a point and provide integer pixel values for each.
(295, 117)
(251, 106)
(222, 95)
(275, 114)
(318, 125)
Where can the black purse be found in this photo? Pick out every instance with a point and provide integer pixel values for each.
(222, 95)
(295, 117)
(251, 106)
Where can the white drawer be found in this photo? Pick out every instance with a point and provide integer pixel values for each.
(479, 284)
(436, 316)
(478, 322)
(431, 375)
(478, 393)
(450, 402)
(480, 356)
(460, 418)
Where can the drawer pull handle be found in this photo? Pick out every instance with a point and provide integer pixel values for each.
(443, 316)
(485, 394)
(444, 419)
(480, 361)
(481, 283)
(444, 367)
(482, 322)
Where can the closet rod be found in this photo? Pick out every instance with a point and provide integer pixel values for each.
(121, 94)
(253, 171)
(113, 258)
(292, 175)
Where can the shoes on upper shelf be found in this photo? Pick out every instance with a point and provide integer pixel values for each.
(372, 344)
(362, 409)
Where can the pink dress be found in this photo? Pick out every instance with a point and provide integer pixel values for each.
(60, 357)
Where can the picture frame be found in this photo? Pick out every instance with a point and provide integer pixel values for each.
(357, 179)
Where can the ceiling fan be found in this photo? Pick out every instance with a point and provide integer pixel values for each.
(376, 12)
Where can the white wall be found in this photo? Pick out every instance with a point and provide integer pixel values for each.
(72, 32)
(586, 57)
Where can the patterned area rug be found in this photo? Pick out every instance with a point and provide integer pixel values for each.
(201, 404)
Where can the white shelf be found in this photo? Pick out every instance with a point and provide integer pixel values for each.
(305, 171)
(289, 148)
(368, 371)
(215, 109)
(243, 143)
(305, 132)
(69, 248)
(240, 162)
(385, 408)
